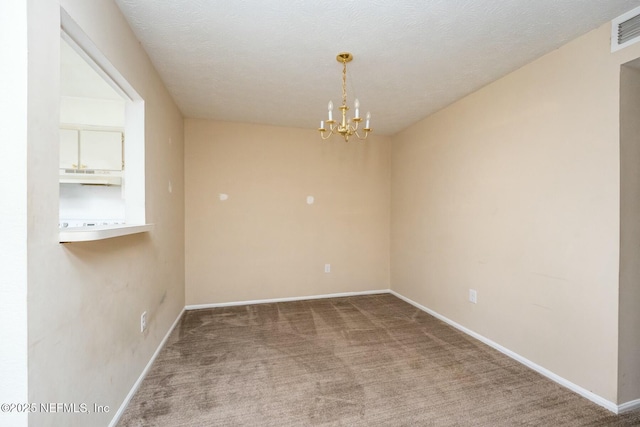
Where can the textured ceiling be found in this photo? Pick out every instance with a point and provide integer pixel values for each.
(273, 61)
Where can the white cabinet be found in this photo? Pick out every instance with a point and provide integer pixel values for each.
(91, 149)
(69, 148)
(101, 150)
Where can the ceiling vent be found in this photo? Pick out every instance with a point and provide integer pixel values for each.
(625, 30)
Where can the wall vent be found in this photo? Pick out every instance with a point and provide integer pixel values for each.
(625, 30)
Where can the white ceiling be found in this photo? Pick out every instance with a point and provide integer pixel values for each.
(273, 61)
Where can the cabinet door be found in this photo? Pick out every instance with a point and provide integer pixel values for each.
(68, 149)
(101, 150)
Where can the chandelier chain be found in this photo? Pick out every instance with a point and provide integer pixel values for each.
(344, 83)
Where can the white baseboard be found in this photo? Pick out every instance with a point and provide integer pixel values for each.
(136, 385)
(547, 373)
(629, 406)
(267, 301)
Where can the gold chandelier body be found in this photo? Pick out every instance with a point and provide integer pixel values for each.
(345, 127)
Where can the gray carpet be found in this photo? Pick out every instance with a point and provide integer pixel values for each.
(357, 361)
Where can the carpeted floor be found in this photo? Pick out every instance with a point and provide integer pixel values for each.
(357, 361)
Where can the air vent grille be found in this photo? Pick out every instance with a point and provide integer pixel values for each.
(629, 29)
(625, 30)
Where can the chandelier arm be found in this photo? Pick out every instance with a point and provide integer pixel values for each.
(366, 134)
(328, 134)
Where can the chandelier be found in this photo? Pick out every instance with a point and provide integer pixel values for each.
(345, 127)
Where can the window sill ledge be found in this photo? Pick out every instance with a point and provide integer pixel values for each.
(88, 234)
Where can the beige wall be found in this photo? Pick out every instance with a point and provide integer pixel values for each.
(85, 299)
(514, 191)
(629, 316)
(265, 241)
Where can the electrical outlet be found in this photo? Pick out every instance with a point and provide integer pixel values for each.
(473, 296)
(327, 268)
(143, 321)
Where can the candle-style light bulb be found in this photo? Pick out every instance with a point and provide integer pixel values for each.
(321, 124)
(356, 104)
(330, 110)
(366, 125)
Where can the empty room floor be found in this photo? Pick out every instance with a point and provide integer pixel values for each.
(353, 361)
